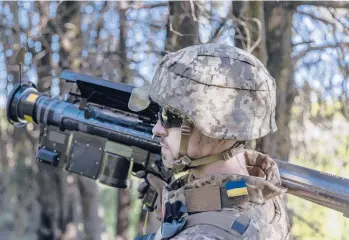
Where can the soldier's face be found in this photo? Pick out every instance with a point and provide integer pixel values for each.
(170, 141)
(198, 144)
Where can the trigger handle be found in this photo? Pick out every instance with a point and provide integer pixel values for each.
(149, 199)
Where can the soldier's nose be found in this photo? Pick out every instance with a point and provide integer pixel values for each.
(159, 130)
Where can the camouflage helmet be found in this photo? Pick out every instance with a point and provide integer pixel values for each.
(224, 91)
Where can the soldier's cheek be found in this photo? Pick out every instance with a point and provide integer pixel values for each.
(165, 153)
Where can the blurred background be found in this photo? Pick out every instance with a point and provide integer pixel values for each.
(305, 46)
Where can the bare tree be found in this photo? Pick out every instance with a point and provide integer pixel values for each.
(59, 204)
(266, 30)
(182, 25)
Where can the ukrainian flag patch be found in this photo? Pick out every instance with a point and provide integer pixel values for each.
(236, 188)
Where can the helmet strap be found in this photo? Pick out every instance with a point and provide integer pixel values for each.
(185, 134)
(186, 128)
(223, 156)
(185, 162)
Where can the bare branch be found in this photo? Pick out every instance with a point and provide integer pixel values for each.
(318, 48)
(301, 43)
(247, 35)
(219, 28)
(334, 21)
(241, 37)
(174, 31)
(259, 39)
(328, 4)
(100, 20)
(222, 23)
(313, 16)
(150, 24)
(139, 5)
(192, 6)
(339, 21)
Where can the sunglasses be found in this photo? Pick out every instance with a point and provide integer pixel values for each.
(169, 119)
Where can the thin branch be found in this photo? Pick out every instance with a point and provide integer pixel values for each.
(318, 48)
(150, 24)
(313, 16)
(100, 20)
(219, 28)
(340, 22)
(222, 23)
(174, 31)
(143, 6)
(327, 4)
(259, 39)
(241, 37)
(247, 32)
(334, 21)
(301, 43)
(192, 7)
(182, 17)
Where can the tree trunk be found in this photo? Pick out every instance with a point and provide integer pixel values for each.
(123, 195)
(255, 10)
(122, 5)
(182, 29)
(274, 51)
(90, 204)
(19, 207)
(123, 210)
(61, 199)
(250, 33)
(278, 22)
(52, 195)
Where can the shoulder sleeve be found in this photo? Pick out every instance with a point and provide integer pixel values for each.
(200, 232)
(275, 226)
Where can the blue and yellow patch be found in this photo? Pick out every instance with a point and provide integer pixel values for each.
(236, 188)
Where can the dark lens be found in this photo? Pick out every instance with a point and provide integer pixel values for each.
(161, 118)
(169, 119)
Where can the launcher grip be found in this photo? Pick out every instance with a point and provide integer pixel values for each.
(149, 199)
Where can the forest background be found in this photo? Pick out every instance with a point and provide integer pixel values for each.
(305, 46)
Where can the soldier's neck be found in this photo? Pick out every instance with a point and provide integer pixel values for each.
(235, 165)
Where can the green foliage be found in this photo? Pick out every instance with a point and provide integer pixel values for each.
(326, 152)
(312, 221)
(108, 203)
(136, 207)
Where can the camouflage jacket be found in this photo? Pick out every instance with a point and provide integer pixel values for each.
(212, 215)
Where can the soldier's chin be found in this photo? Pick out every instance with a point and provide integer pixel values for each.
(165, 151)
(168, 164)
(166, 159)
(165, 154)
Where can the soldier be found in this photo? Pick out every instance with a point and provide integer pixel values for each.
(213, 99)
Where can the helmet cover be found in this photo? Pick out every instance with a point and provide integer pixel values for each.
(224, 91)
